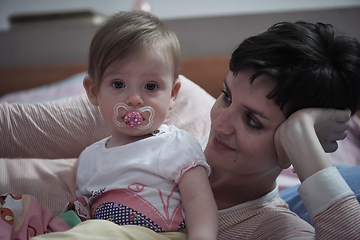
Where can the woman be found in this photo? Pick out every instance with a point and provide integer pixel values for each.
(262, 123)
(287, 68)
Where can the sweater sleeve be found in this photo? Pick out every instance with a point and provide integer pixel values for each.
(57, 129)
(332, 206)
(322, 190)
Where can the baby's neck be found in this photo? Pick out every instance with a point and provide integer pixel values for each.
(120, 139)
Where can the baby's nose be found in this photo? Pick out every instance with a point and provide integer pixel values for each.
(134, 99)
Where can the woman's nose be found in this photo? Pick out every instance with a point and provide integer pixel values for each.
(221, 121)
(134, 99)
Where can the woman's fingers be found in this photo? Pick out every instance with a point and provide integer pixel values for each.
(342, 115)
(330, 147)
(330, 125)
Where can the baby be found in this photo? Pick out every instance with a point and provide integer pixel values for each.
(136, 175)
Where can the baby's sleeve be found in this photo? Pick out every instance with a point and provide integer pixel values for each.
(180, 154)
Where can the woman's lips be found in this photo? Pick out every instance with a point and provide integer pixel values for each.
(220, 145)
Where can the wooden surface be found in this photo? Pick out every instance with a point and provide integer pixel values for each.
(20, 78)
(207, 72)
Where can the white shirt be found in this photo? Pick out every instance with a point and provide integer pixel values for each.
(147, 171)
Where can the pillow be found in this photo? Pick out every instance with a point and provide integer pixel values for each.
(68, 87)
(63, 128)
(52, 182)
(43, 140)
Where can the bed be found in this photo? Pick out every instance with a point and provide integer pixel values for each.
(23, 173)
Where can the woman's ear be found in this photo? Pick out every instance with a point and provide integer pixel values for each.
(174, 93)
(91, 90)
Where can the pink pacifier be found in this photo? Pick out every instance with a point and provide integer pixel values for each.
(133, 117)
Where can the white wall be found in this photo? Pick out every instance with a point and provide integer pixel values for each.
(204, 27)
(170, 9)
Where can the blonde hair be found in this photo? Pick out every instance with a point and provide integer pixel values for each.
(125, 34)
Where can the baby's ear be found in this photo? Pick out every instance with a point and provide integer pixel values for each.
(174, 93)
(91, 90)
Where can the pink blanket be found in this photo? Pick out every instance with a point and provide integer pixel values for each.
(22, 217)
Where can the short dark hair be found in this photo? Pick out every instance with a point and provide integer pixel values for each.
(314, 66)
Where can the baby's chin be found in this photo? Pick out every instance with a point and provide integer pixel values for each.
(138, 132)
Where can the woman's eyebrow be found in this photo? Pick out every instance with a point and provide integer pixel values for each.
(226, 86)
(256, 112)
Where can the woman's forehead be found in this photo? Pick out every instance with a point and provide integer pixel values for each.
(246, 94)
(263, 81)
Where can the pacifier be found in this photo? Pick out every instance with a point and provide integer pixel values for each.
(133, 117)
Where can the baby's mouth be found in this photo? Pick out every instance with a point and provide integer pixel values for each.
(133, 119)
(141, 118)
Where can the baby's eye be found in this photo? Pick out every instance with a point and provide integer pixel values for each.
(151, 86)
(118, 84)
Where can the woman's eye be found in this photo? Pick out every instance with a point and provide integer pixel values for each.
(253, 123)
(151, 86)
(118, 84)
(226, 96)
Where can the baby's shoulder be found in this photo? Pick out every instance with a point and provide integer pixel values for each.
(95, 146)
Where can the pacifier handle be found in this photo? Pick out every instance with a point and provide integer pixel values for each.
(133, 117)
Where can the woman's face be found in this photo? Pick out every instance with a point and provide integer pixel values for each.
(243, 124)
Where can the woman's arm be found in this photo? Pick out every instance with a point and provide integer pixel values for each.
(306, 135)
(332, 206)
(334, 211)
(201, 212)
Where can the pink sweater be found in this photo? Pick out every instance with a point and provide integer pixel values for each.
(273, 220)
(62, 129)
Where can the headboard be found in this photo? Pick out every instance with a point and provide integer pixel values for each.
(207, 72)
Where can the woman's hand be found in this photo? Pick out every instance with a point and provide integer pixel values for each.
(306, 135)
(330, 126)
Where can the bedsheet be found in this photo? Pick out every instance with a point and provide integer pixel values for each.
(23, 217)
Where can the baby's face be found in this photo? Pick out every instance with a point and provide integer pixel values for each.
(138, 83)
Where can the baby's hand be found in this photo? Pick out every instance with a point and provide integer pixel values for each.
(329, 126)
